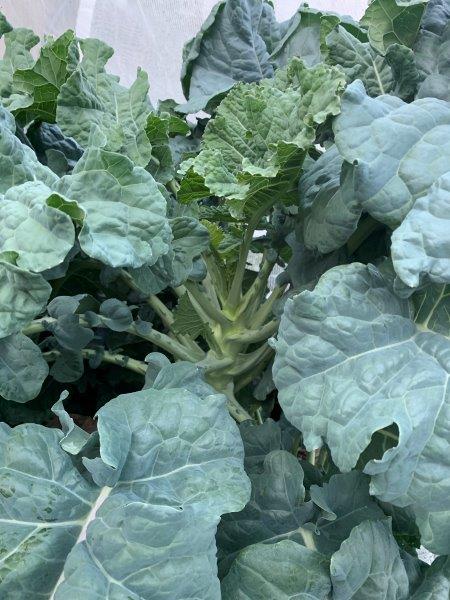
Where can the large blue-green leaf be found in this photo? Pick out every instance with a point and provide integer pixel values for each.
(125, 221)
(233, 45)
(432, 50)
(41, 236)
(351, 361)
(92, 97)
(170, 464)
(368, 565)
(22, 368)
(284, 571)
(421, 245)
(304, 37)
(414, 152)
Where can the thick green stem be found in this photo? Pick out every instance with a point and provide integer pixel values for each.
(173, 187)
(238, 413)
(120, 360)
(165, 342)
(161, 310)
(253, 336)
(247, 362)
(155, 337)
(214, 315)
(217, 275)
(265, 310)
(234, 295)
(255, 293)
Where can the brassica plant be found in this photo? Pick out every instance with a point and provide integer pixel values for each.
(225, 324)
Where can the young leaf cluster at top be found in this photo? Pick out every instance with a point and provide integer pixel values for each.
(252, 303)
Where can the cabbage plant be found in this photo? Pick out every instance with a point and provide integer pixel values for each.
(224, 323)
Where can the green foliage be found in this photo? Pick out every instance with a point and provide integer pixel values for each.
(282, 261)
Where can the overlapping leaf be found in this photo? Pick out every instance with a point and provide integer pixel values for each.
(233, 45)
(432, 50)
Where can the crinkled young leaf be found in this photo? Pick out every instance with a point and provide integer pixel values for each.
(41, 236)
(421, 245)
(161, 164)
(393, 22)
(91, 96)
(23, 295)
(124, 223)
(41, 84)
(345, 503)
(277, 509)
(259, 135)
(18, 163)
(406, 75)
(368, 565)
(17, 55)
(351, 361)
(415, 151)
(233, 45)
(22, 368)
(327, 198)
(284, 571)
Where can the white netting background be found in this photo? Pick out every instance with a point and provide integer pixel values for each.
(145, 33)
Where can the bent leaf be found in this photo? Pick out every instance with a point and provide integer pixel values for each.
(171, 463)
(283, 571)
(40, 235)
(352, 345)
(124, 223)
(368, 564)
(231, 46)
(421, 245)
